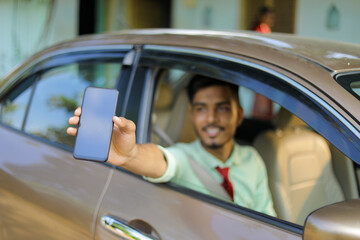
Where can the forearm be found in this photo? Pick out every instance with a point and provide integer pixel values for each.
(146, 160)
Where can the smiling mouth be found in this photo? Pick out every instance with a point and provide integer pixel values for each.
(213, 131)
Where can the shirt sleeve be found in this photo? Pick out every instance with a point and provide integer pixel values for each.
(263, 198)
(170, 168)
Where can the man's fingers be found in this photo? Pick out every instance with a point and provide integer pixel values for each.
(77, 111)
(124, 125)
(71, 131)
(74, 120)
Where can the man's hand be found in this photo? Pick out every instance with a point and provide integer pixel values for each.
(74, 120)
(144, 159)
(123, 141)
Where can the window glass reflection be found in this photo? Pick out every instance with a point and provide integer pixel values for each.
(59, 91)
(14, 108)
(355, 86)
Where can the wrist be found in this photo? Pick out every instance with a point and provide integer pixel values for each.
(134, 152)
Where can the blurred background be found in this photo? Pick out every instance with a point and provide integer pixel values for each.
(28, 26)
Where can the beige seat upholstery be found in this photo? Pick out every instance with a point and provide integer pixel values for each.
(298, 162)
(180, 128)
(161, 114)
(170, 118)
(163, 102)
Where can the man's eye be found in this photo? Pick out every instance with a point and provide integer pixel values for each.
(200, 109)
(224, 109)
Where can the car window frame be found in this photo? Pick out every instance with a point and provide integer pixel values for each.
(344, 79)
(29, 83)
(206, 62)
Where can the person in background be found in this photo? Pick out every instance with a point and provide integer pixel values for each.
(265, 20)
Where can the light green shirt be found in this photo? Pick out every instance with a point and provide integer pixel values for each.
(247, 173)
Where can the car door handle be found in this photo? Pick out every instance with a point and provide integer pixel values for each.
(127, 230)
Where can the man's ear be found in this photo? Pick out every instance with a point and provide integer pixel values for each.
(240, 116)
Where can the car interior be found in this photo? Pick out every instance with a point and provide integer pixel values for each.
(305, 171)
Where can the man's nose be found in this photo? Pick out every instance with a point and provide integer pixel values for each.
(211, 116)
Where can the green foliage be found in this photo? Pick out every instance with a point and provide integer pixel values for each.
(69, 104)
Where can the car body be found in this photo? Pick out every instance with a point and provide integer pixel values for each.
(46, 194)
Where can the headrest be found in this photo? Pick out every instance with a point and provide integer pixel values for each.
(164, 97)
(285, 119)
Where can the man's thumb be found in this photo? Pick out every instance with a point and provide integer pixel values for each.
(124, 125)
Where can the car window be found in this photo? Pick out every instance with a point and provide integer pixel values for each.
(351, 82)
(305, 172)
(171, 125)
(59, 91)
(355, 86)
(53, 96)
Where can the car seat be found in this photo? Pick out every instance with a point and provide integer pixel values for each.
(170, 119)
(300, 172)
(161, 114)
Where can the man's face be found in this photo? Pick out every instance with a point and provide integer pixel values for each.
(215, 114)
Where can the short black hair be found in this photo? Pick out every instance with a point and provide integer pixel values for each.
(199, 82)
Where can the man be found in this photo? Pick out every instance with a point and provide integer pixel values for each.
(215, 113)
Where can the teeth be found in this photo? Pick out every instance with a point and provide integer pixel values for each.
(212, 131)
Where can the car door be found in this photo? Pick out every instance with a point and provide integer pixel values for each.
(44, 192)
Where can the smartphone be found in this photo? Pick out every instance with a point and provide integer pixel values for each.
(95, 126)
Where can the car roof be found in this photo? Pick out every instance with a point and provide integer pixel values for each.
(332, 55)
(315, 60)
(285, 50)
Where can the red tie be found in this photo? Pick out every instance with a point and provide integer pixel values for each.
(226, 183)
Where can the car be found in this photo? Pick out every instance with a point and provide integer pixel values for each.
(308, 136)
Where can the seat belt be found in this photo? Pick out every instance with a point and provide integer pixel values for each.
(208, 181)
(161, 133)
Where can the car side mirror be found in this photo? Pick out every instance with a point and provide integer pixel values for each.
(337, 221)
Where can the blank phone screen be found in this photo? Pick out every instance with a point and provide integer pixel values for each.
(96, 125)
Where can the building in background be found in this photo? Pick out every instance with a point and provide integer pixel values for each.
(114, 15)
(28, 26)
(328, 19)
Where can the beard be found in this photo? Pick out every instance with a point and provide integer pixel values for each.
(213, 146)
